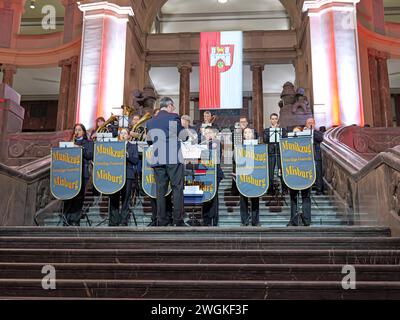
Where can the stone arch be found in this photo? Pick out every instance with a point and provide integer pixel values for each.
(154, 6)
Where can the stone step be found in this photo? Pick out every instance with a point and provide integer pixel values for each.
(233, 221)
(200, 256)
(181, 289)
(266, 211)
(121, 232)
(200, 272)
(268, 224)
(179, 242)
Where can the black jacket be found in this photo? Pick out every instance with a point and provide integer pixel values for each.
(220, 173)
(87, 155)
(318, 138)
(168, 149)
(273, 148)
(132, 159)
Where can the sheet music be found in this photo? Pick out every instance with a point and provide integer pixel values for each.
(190, 151)
(66, 144)
(250, 142)
(305, 133)
(275, 135)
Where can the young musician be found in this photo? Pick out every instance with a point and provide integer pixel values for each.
(117, 217)
(139, 131)
(208, 121)
(271, 136)
(190, 131)
(210, 208)
(249, 134)
(244, 123)
(306, 202)
(318, 137)
(99, 122)
(73, 207)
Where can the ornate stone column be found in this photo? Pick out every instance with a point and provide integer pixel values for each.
(72, 20)
(336, 76)
(384, 91)
(72, 94)
(374, 84)
(8, 73)
(10, 18)
(62, 113)
(184, 87)
(397, 108)
(258, 102)
(380, 88)
(102, 64)
(67, 97)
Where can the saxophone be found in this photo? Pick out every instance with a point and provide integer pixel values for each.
(137, 128)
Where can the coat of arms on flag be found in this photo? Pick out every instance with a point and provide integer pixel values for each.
(221, 70)
(222, 57)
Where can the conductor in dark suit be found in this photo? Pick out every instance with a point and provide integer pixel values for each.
(162, 132)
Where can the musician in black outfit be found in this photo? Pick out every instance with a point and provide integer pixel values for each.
(306, 193)
(73, 207)
(208, 121)
(274, 154)
(117, 217)
(248, 134)
(210, 209)
(318, 138)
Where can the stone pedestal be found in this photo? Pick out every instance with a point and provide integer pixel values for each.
(11, 116)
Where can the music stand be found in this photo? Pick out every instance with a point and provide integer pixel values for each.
(191, 155)
(274, 136)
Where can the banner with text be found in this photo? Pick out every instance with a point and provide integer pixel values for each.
(66, 172)
(298, 166)
(252, 170)
(109, 166)
(205, 175)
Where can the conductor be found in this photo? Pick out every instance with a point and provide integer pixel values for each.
(162, 132)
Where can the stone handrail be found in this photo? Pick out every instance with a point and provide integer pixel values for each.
(26, 191)
(364, 182)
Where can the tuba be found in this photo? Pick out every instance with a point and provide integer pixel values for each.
(137, 128)
(103, 128)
